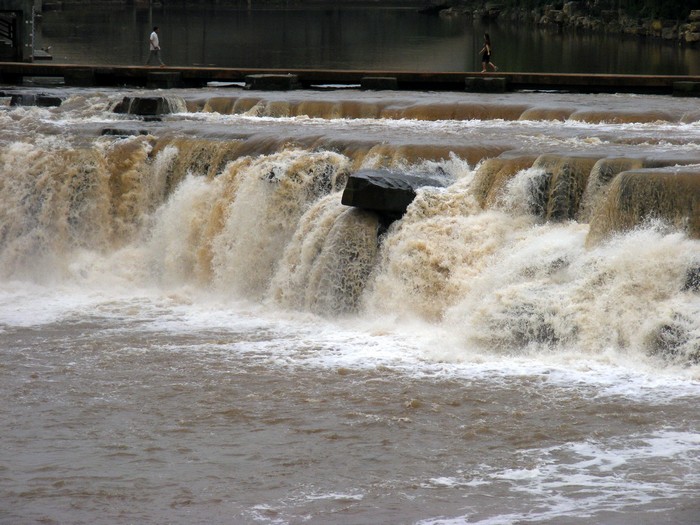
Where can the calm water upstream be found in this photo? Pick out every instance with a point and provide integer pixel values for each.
(392, 38)
(194, 329)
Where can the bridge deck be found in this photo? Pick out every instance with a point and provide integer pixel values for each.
(13, 73)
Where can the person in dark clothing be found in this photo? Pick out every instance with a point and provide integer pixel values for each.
(486, 54)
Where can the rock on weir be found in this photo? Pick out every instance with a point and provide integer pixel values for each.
(150, 106)
(385, 192)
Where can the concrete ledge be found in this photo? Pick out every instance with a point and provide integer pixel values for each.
(379, 83)
(163, 80)
(265, 82)
(486, 84)
(48, 101)
(40, 100)
(79, 77)
(686, 89)
(145, 106)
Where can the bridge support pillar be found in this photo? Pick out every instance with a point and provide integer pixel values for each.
(163, 80)
(79, 77)
(686, 89)
(11, 78)
(379, 83)
(267, 82)
(486, 84)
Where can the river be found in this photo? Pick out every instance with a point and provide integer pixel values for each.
(342, 37)
(194, 329)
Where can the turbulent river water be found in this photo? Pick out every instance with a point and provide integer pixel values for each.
(195, 330)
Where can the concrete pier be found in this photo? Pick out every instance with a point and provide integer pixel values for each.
(143, 76)
(17, 30)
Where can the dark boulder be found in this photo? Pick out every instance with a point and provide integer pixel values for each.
(386, 192)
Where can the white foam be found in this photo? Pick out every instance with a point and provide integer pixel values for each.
(335, 497)
(459, 292)
(587, 478)
(306, 340)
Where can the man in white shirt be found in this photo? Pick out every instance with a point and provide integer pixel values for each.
(154, 47)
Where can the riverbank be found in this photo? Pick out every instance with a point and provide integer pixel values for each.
(581, 16)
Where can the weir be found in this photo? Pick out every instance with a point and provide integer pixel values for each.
(343, 104)
(547, 212)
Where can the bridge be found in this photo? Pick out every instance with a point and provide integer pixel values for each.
(286, 79)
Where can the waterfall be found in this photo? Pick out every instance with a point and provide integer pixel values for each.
(585, 249)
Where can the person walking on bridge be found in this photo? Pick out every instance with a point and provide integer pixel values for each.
(154, 48)
(486, 54)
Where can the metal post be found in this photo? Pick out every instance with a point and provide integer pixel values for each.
(31, 34)
(475, 60)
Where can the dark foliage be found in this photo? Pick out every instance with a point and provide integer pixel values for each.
(669, 9)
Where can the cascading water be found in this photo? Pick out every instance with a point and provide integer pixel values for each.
(270, 226)
(197, 276)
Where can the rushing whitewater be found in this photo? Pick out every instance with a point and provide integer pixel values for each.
(194, 329)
